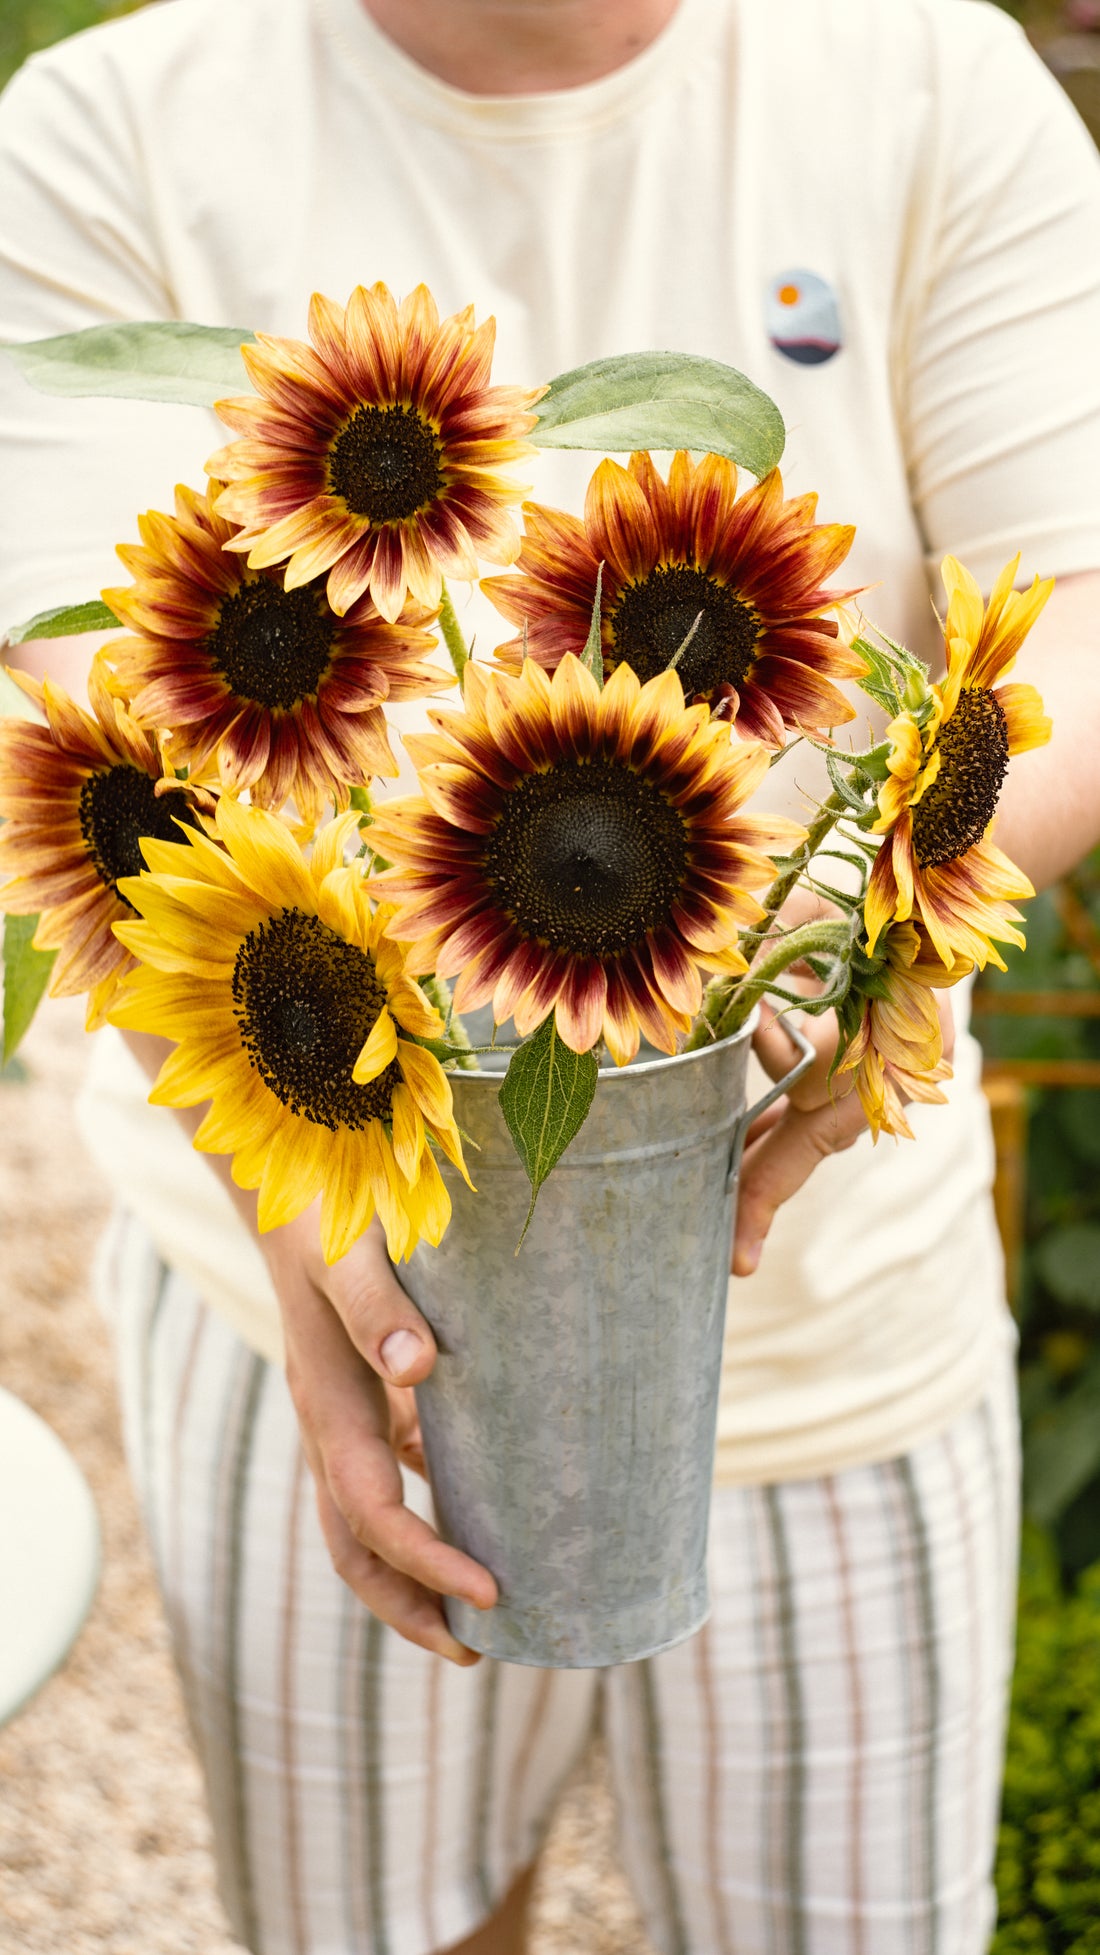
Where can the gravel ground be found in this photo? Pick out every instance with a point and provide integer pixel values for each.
(104, 1844)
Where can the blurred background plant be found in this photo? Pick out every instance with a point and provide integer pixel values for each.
(26, 25)
(1039, 1024)
(1048, 1866)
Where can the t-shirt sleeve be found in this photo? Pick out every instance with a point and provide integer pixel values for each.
(1000, 402)
(77, 248)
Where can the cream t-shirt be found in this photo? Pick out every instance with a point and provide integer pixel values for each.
(882, 210)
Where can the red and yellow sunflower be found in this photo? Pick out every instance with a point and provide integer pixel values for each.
(936, 863)
(580, 852)
(896, 1054)
(294, 1016)
(269, 684)
(750, 569)
(374, 453)
(77, 796)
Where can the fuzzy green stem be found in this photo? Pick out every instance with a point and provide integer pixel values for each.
(452, 634)
(724, 1010)
(822, 939)
(438, 992)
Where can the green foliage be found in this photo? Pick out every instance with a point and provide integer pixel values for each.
(1048, 1861)
(1059, 1304)
(66, 620)
(27, 25)
(547, 1092)
(157, 360)
(661, 401)
(26, 975)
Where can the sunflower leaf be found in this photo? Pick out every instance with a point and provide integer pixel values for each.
(843, 785)
(661, 401)
(880, 681)
(154, 360)
(592, 655)
(66, 621)
(545, 1098)
(26, 975)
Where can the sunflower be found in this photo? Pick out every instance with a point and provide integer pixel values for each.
(284, 695)
(749, 569)
(287, 1001)
(373, 453)
(579, 852)
(937, 862)
(897, 1051)
(77, 795)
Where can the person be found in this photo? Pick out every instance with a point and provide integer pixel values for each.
(818, 1770)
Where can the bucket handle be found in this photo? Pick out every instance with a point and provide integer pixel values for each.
(807, 1056)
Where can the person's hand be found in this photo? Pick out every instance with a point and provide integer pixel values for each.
(355, 1343)
(817, 1118)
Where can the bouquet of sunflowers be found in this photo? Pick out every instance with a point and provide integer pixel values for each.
(200, 848)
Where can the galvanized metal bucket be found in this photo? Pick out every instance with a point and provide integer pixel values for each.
(569, 1421)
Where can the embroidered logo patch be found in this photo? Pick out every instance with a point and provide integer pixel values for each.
(803, 318)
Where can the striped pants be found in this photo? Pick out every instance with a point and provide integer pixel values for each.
(816, 1773)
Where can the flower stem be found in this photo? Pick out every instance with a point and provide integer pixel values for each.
(729, 1000)
(438, 992)
(452, 634)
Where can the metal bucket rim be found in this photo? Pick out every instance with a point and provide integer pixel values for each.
(638, 1067)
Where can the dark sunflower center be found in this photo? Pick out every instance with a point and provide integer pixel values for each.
(117, 807)
(386, 463)
(305, 1002)
(652, 618)
(956, 810)
(271, 645)
(587, 857)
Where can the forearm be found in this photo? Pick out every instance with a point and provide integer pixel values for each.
(151, 1051)
(1050, 808)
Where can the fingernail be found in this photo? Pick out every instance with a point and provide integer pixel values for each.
(400, 1350)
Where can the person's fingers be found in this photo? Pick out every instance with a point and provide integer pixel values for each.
(382, 1322)
(393, 1597)
(343, 1410)
(777, 1052)
(763, 1123)
(777, 1165)
(405, 1435)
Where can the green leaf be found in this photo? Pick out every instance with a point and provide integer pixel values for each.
(153, 360)
(1080, 1121)
(880, 683)
(26, 975)
(1063, 1451)
(592, 655)
(842, 785)
(1068, 1261)
(662, 401)
(545, 1098)
(67, 621)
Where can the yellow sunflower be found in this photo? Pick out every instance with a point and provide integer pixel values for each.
(373, 453)
(283, 695)
(76, 796)
(751, 569)
(937, 862)
(579, 851)
(897, 1052)
(287, 1002)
